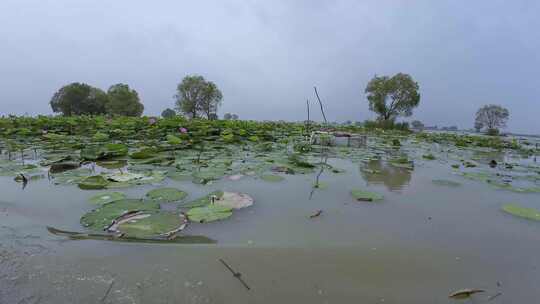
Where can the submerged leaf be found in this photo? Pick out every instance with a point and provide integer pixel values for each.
(361, 195)
(523, 212)
(444, 182)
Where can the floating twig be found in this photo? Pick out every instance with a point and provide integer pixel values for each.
(107, 292)
(237, 275)
(316, 214)
(494, 296)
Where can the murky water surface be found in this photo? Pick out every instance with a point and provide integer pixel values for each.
(420, 243)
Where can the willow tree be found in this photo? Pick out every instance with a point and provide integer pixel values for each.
(391, 97)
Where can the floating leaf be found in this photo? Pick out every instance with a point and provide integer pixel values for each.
(523, 212)
(361, 195)
(104, 198)
(152, 224)
(93, 183)
(102, 217)
(464, 293)
(235, 200)
(205, 200)
(173, 140)
(209, 213)
(166, 195)
(123, 177)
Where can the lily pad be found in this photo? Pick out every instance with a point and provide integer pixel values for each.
(205, 200)
(210, 213)
(152, 224)
(361, 195)
(166, 195)
(93, 183)
(102, 217)
(272, 178)
(235, 200)
(104, 198)
(523, 212)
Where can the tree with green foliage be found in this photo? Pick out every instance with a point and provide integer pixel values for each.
(123, 101)
(492, 118)
(227, 116)
(394, 96)
(168, 113)
(195, 95)
(79, 99)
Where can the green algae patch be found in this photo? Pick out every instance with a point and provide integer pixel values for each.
(522, 212)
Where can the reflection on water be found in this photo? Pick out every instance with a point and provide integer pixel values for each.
(378, 172)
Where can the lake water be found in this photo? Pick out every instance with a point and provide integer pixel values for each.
(419, 244)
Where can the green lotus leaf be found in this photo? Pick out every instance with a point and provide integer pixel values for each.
(153, 225)
(210, 213)
(205, 200)
(107, 197)
(93, 183)
(166, 195)
(102, 217)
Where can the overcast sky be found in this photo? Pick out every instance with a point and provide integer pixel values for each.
(266, 56)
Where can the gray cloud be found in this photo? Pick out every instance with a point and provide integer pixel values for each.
(267, 55)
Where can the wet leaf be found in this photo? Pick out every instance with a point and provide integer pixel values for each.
(107, 197)
(166, 195)
(205, 200)
(209, 213)
(464, 293)
(102, 217)
(152, 224)
(234, 200)
(93, 183)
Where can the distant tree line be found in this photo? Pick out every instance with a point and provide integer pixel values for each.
(82, 99)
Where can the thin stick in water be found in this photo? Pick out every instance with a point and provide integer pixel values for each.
(237, 275)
